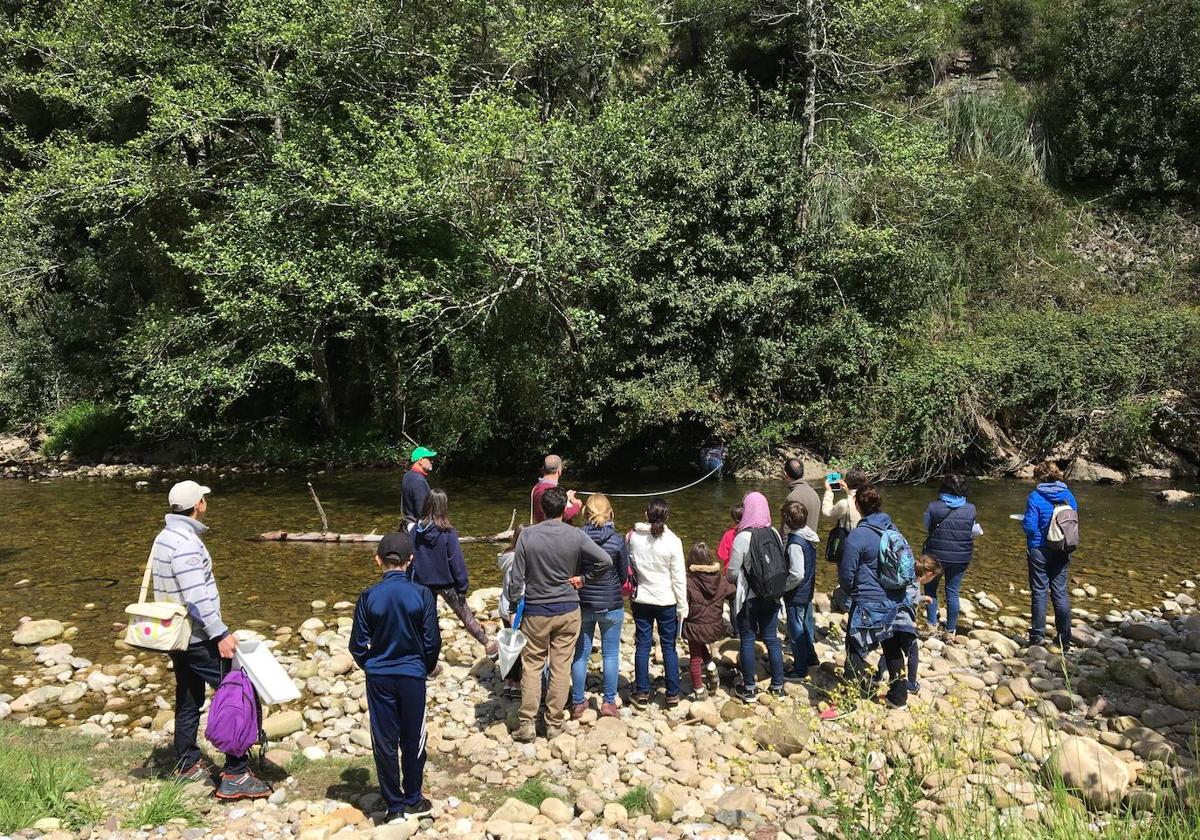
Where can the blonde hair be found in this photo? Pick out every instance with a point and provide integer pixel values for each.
(598, 509)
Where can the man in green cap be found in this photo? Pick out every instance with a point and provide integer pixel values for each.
(415, 486)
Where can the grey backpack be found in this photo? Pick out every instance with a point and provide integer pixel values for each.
(1063, 533)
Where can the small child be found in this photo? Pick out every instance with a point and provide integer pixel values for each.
(707, 589)
(725, 546)
(512, 680)
(927, 568)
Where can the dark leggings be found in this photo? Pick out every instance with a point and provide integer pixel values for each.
(895, 650)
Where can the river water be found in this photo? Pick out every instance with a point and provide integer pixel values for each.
(70, 539)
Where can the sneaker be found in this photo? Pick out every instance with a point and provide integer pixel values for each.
(699, 693)
(201, 771)
(914, 687)
(578, 709)
(609, 710)
(776, 691)
(672, 701)
(831, 713)
(422, 808)
(525, 733)
(796, 676)
(712, 679)
(492, 651)
(746, 695)
(640, 700)
(242, 786)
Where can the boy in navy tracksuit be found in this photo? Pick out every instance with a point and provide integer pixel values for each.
(396, 641)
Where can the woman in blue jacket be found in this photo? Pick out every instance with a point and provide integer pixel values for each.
(601, 603)
(878, 616)
(950, 529)
(1048, 569)
(438, 563)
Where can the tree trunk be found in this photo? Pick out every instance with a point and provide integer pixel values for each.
(321, 372)
(810, 100)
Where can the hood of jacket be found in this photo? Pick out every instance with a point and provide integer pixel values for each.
(951, 501)
(428, 532)
(1054, 492)
(879, 519)
(807, 534)
(706, 577)
(188, 522)
(505, 560)
(600, 534)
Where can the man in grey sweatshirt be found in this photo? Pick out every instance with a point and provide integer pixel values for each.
(549, 562)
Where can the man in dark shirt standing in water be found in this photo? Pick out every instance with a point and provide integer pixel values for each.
(415, 486)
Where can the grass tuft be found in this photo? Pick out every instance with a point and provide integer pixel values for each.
(637, 801)
(166, 802)
(533, 792)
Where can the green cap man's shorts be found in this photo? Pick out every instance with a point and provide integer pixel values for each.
(419, 453)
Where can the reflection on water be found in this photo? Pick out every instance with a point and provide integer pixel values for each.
(70, 538)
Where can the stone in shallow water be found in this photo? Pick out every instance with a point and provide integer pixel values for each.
(38, 630)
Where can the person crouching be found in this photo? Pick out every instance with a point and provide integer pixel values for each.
(396, 641)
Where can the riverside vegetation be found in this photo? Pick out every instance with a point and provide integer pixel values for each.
(1000, 742)
(906, 234)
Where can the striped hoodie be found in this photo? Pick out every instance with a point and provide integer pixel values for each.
(183, 575)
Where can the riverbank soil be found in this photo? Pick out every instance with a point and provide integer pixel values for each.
(999, 741)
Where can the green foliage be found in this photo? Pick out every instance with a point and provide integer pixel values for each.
(1123, 102)
(33, 785)
(289, 232)
(85, 429)
(163, 803)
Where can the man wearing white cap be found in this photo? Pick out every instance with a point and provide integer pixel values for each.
(183, 575)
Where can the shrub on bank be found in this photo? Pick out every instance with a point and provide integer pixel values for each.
(85, 429)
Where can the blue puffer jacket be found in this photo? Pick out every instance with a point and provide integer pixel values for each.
(1039, 508)
(603, 592)
(858, 571)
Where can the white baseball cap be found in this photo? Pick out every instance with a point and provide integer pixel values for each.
(186, 495)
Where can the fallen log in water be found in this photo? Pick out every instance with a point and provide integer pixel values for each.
(334, 537)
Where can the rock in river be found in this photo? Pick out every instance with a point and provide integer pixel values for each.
(33, 632)
(1092, 769)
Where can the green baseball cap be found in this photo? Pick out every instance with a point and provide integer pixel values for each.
(419, 453)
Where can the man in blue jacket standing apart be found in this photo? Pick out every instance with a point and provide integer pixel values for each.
(1048, 568)
(396, 641)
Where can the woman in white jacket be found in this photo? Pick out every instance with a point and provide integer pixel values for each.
(656, 555)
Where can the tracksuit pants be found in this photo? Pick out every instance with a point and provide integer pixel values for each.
(397, 708)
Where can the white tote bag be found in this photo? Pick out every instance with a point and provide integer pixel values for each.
(157, 625)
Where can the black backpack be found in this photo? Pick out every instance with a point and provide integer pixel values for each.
(765, 566)
(836, 542)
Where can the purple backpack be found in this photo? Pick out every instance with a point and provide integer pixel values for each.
(233, 716)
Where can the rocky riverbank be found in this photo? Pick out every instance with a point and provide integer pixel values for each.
(992, 727)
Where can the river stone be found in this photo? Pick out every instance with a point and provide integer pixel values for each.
(735, 709)
(615, 814)
(786, 737)
(557, 811)
(1186, 697)
(1129, 673)
(36, 631)
(1091, 768)
(73, 693)
(662, 807)
(362, 737)
(395, 831)
(514, 811)
(282, 724)
(996, 641)
(1160, 717)
(37, 697)
(339, 664)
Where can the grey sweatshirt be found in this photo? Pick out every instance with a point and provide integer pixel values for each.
(547, 555)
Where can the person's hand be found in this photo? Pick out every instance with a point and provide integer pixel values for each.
(576, 581)
(926, 599)
(227, 646)
(572, 498)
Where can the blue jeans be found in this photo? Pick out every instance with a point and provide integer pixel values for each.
(1048, 571)
(644, 618)
(610, 622)
(802, 634)
(953, 573)
(759, 618)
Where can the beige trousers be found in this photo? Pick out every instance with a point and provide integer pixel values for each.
(553, 637)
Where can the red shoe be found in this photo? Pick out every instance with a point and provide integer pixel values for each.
(610, 710)
(578, 709)
(831, 713)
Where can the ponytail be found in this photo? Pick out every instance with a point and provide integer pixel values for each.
(656, 514)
